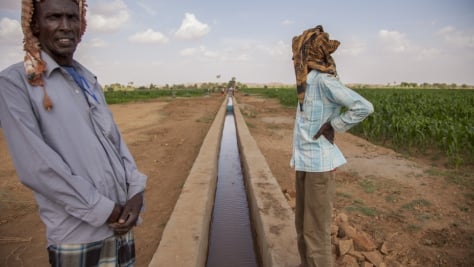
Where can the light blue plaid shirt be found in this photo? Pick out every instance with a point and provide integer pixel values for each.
(325, 96)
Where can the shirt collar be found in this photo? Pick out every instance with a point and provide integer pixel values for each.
(52, 65)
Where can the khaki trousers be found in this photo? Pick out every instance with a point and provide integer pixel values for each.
(315, 193)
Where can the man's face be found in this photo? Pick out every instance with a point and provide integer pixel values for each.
(57, 25)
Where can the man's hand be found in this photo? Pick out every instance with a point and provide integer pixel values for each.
(327, 131)
(115, 215)
(129, 216)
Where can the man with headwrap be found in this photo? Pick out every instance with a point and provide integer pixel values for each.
(315, 158)
(65, 144)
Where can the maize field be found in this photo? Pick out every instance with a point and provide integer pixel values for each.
(437, 122)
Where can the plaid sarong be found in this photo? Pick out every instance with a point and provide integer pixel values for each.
(115, 251)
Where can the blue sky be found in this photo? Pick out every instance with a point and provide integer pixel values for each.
(170, 42)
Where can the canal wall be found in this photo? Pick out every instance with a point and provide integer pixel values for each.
(185, 238)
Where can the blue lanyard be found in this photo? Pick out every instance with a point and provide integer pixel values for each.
(82, 83)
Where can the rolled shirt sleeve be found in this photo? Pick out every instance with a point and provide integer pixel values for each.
(358, 108)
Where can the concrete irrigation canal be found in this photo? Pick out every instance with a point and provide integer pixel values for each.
(231, 211)
(230, 239)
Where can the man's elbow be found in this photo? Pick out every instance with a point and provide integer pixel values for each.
(370, 108)
(364, 109)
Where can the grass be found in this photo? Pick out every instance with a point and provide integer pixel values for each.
(368, 186)
(469, 196)
(463, 208)
(392, 197)
(249, 114)
(359, 207)
(250, 125)
(343, 195)
(424, 217)
(116, 97)
(273, 126)
(461, 178)
(413, 228)
(205, 119)
(416, 203)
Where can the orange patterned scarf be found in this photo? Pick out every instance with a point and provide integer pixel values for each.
(312, 51)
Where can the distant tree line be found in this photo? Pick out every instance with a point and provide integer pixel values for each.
(435, 85)
(211, 86)
(216, 86)
(414, 85)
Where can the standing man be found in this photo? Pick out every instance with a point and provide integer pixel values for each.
(65, 144)
(315, 156)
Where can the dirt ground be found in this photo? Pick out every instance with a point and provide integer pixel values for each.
(424, 212)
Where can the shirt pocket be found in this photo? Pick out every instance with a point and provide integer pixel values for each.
(313, 109)
(103, 121)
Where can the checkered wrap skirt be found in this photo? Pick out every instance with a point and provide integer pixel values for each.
(115, 251)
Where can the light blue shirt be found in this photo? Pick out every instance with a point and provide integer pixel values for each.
(325, 96)
(72, 157)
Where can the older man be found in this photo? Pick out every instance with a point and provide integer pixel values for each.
(65, 144)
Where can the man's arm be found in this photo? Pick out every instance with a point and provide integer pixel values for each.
(136, 180)
(358, 108)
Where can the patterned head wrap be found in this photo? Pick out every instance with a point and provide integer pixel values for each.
(312, 50)
(34, 64)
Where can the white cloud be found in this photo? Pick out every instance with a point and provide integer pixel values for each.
(107, 16)
(191, 28)
(428, 53)
(188, 51)
(148, 36)
(10, 31)
(352, 48)
(455, 37)
(10, 5)
(10, 55)
(280, 50)
(226, 55)
(97, 42)
(210, 53)
(146, 8)
(394, 41)
(287, 22)
(201, 52)
(242, 57)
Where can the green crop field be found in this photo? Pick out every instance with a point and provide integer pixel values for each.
(438, 122)
(116, 97)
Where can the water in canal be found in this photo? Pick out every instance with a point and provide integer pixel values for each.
(231, 241)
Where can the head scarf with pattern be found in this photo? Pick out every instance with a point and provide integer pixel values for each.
(34, 64)
(312, 50)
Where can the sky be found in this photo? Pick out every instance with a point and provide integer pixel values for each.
(174, 42)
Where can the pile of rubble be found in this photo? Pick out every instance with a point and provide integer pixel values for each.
(354, 248)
